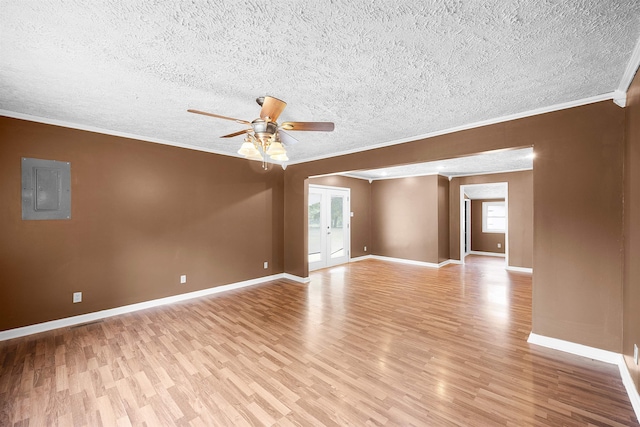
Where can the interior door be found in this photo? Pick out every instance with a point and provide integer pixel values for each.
(329, 226)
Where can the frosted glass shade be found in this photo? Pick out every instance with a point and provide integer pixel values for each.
(276, 148)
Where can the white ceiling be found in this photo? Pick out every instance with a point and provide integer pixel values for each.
(486, 191)
(492, 162)
(384, 72)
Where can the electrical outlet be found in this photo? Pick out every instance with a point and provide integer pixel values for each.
(499, 245)
(77, 297)
(266, 265)
(365, 249)
(635, 353)
(183, 278)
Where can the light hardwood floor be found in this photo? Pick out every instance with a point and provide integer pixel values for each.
(368, 343)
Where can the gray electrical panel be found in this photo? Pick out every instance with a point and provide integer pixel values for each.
(46, 189)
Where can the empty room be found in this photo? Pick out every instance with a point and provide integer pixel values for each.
(319, 213)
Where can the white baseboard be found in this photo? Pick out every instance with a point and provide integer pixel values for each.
(519, 269)
(595, 354)
(455, 261)
(410, 261)
(360, 258)
(487, 254)
(296, 278)
(632, 391)
(573, 348)
(97, 315)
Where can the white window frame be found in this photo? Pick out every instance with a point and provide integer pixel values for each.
(485, 208)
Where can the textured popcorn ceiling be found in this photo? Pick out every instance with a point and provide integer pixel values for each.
(382, 71)
(485, 191)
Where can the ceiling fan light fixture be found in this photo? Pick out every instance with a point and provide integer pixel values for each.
(247, 148)
(255, 156)
(280, 157)
(263, 137)
(276, 148)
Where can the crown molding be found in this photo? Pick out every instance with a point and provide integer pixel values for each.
(556, 107)
(630, 71)
(94, 129)
(620, 98)
(502, 119)
(488, 173)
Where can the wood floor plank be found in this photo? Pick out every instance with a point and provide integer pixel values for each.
(368, 343)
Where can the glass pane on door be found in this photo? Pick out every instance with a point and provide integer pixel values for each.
(337, 227)
(315, 230)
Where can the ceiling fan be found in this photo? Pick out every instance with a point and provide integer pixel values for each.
(264, 136)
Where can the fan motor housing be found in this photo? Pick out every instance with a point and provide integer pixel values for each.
(264, 129)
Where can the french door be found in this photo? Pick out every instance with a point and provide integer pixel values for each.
(329, 229)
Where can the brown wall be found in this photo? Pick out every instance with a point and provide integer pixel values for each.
(142, 215)
(577, 278)
(443, 219)
(486, 242)
(520, 187)
(404, 218)
(360, 206)
(631, 287)
(577, 193)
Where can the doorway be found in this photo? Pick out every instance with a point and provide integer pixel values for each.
(469, 192)
(328, 226)
(467, 226)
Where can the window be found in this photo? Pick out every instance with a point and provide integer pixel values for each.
(494, 217)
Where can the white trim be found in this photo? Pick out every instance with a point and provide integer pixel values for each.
(489, 173)
(630, 71)
(574, 348)
(327, 192)
(455, 261)
(632, 391)
(360, 258)
(96, 315)
(381, 178)
(529, 113)
(519, 269)
(620, 98)
(450, 177)
(502, 119)
(345, 174)
(410, 261)
(468, 232)
(595, 354)
(462, 221)
(103, 131)
(296, 278)
(329, 187)
(496, 254)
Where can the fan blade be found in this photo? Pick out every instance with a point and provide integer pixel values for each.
(231, 135)
(313, 126)
(204, 113)
(286, 138)
(272, 108)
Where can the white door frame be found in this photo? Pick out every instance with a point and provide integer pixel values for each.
(506, 205)
(467, 219)
(327, 261)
